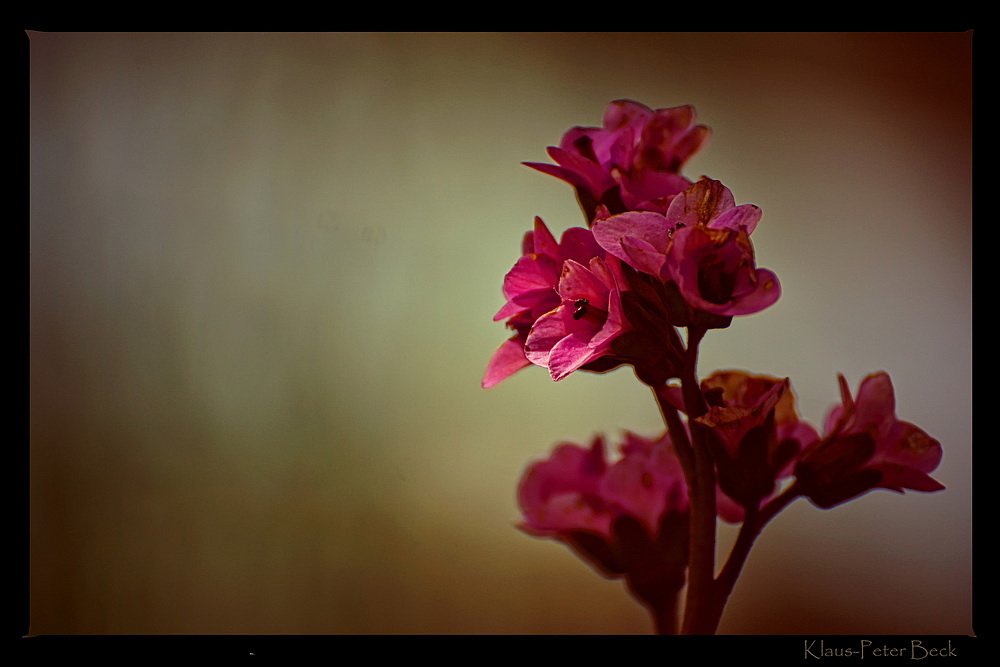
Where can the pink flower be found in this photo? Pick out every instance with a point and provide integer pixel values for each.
(632, 162)
(715, 272)
(577, 489)
(581, 329)
(866, 447)
(627, 519)
(530, 290)
(701, 244)
(647, 481)
(710, 204)
(563, 493)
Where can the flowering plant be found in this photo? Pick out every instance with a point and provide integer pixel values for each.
(661, 253)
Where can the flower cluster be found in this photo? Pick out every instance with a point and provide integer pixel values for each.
(661, 253)
(632, 162)
(629, 519)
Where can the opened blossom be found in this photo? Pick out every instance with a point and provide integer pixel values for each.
(570, 312)
(701, 244)
(628, 518)
(530, 290)
(632, 162)
(562, 494)
(866, 447)
(586, 322)
(577, 488)
(642, 238)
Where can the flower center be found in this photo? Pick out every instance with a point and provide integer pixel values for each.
(715, 283)
(584, 311)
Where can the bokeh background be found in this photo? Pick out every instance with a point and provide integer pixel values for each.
(263, 270)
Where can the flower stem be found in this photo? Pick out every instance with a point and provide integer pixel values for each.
(665, 613)
(665, 616)
(753, 524)
(678, 435)
(701, 607)
(706, 594)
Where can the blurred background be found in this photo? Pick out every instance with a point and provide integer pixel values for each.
(263, 271)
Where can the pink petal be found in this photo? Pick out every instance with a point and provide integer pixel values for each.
(876, 401)
(575, 170)
(672, 121)
(643, 257)
(620, 151)
(575, 136)
(840, 414)
(623, 113)
(578, 282)
(561, 173)
(663, 133)
(547, 330)
(566, 512)
(754, 290)
(646, 480)
(560, 493)
(544, 243)
(570, 353)
(898, 478)
(632, 486)
(802, 433)
(908, 445)
(702, 202)
(530, 273)
(591, 175)
(507, 360)
(508, 310)
(614, 325)
(746, 216)
(570, 468)
(767, 292)
(691, 142)
(646, 235)
(641, 188)
(578, 244)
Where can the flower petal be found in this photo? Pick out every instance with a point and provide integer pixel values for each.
(876, 401)
(579, 282)
(507, 360)
(745, 215)
(570, 353)
(701, 203)
(579, 244)
(547, 330)
(543, 242)
(652, 229)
